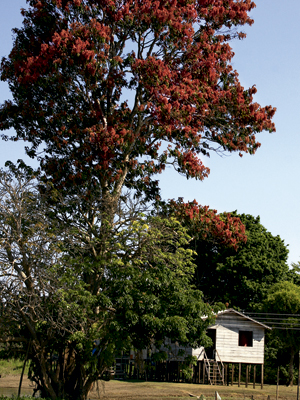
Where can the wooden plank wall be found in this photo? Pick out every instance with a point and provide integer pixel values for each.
(227, 340)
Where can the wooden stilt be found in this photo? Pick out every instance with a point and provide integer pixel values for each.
(247, 375)
(262, 376)
(277, 386)
(249, 380)
(240, 371)
(130, 370)
(193, 373)
(199, 371)
(298, 386)
(203, 373)
(232, 374)
(168, 371)
(226, 375)
(254, 376)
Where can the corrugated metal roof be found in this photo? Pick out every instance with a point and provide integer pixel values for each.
(231, 310)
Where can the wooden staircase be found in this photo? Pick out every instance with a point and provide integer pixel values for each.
(214, 369)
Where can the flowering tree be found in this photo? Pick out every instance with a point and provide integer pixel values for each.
(204, 223)
(107, 93)
(115, 90)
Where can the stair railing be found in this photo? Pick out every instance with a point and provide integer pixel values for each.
(207, 367)
(218, 360)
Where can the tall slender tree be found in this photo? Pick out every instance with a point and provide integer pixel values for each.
(105, 95)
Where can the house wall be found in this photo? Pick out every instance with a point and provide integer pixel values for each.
(227, 340)
(199, 353)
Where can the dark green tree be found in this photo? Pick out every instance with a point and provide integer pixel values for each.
(294, 273)
(72, 307)
(283, 299)
(242, 276)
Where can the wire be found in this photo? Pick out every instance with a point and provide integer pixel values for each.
(278, 319)
(267, 313)
(275, 323)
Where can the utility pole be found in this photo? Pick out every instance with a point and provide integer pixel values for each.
(298, 377)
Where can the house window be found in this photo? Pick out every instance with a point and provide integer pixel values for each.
(246, 338)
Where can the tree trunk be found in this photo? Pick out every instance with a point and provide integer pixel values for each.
(291, 367)
(66, 379)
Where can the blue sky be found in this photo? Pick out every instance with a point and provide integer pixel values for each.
(266, 184)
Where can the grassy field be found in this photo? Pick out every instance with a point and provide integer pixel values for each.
(11, 367)
(140, 390)
(127, 390)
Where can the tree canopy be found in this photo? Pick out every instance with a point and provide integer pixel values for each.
(106, 94)
(283, 299)
(101, 85)
(241, 276)
(72, 310)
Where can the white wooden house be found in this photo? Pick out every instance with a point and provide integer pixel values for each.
(236, 338)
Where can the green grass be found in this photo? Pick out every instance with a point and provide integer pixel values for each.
(19, 398)
(11, 367)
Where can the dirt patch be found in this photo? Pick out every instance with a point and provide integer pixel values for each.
(12, 381)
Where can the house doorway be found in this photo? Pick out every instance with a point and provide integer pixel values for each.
(210, 351)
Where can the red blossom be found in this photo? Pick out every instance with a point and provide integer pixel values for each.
(87, 55)
(208, 224)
